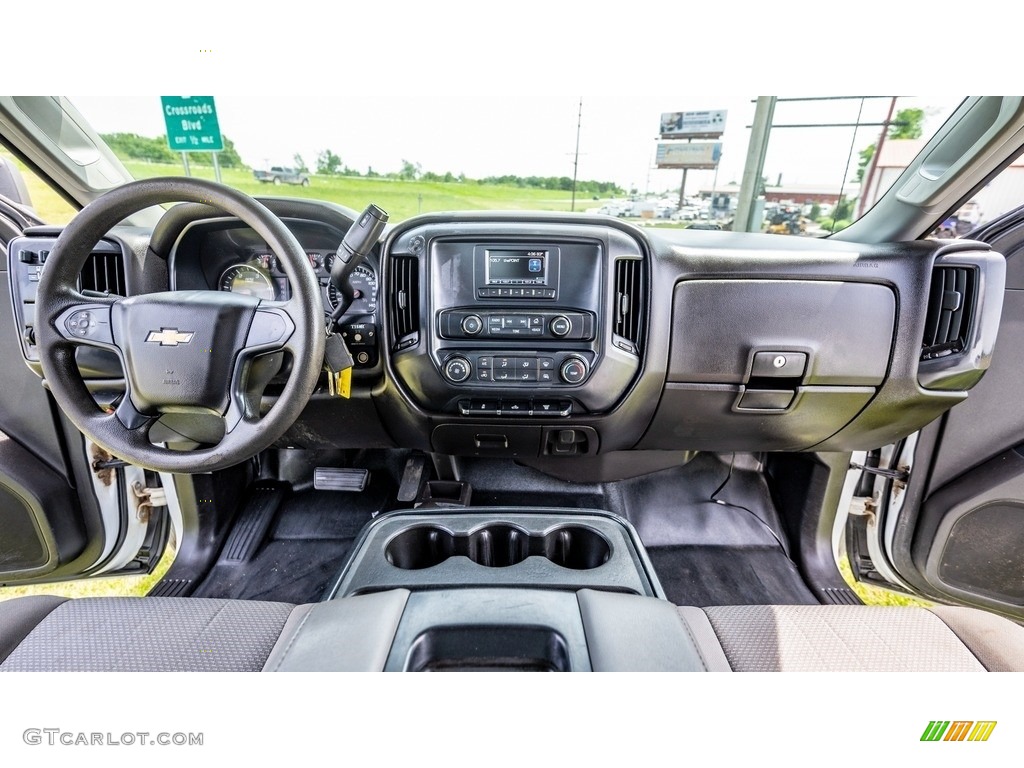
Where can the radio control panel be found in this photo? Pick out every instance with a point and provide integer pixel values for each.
(507, 323)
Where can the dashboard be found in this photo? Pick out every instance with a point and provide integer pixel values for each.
(590, 348)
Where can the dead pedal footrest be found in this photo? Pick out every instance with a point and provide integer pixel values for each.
(253, 523)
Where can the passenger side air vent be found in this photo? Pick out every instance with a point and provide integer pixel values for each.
(629, 301)
(104, 273)
(951, 305)
(404, 301)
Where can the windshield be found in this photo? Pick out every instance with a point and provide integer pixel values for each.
(805, 166)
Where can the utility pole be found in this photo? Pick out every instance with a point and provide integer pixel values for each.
(754, 167)
(576, 156)
(682, 186)
(865, 187)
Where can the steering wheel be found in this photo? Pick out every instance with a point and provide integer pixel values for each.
(182, 352)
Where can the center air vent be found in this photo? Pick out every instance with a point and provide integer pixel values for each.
(629, 303)
(950, 311)
(104, 273)
(404, 301)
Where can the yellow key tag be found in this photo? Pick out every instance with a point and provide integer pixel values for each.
(343, 383)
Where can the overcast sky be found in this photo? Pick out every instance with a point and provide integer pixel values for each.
(510, 131)
(481, 89)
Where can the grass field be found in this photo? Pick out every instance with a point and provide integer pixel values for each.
(401, 199)
(103, 586)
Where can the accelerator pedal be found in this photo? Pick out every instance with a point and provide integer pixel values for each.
(331, 479)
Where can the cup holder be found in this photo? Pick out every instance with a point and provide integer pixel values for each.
(498, 546)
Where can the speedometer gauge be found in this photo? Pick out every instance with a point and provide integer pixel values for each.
(247, 280)
(364, 287)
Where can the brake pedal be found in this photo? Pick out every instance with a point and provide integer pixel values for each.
(331, 479)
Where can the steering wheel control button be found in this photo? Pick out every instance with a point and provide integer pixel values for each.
(457, 369)
(472, 324)
(573, 370)
(561, 326)
(787, 365)
(89, 325)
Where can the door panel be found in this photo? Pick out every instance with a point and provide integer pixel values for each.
(971, 534)
(963, 542)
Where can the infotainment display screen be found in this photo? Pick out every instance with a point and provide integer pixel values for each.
(523, 267)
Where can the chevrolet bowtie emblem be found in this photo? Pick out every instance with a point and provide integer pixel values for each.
(170, 337)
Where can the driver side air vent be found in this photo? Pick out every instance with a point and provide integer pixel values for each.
(104, 273)
(951, 306)
(629, 300)
(404, 301)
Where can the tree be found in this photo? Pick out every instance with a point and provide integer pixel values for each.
(909, 124)
(328, 162)
(299, 163)
(410, 170)
(226, 158)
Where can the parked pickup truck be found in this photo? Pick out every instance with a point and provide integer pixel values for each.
(279, 175)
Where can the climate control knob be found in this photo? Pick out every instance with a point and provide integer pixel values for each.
(560, 326)
(573, 370)
(472, 325)
(457, 369)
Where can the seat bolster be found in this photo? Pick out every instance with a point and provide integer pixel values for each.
(998, 643)
(20, 616)
(704, 637)
(350, 634)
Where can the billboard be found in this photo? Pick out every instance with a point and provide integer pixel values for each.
(702, 154)
(708, 124)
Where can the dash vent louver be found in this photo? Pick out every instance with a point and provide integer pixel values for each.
(951, 305)
(404, 301)
(629, 300)
(104, 273)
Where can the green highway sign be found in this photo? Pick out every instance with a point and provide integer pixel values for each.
(191, 124)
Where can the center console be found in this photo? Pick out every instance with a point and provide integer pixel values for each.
(493, 589)
(525, 329)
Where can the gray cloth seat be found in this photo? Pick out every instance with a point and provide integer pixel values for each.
(846, 638)
(52, 634)
(138, 634)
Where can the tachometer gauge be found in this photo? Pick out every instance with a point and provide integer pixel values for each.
(248, 280)
(364, 286)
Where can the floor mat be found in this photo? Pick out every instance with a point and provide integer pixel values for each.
(301, 552)
(703, 576)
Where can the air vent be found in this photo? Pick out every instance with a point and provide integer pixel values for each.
(629, 300)
(104, 273)
(404, 301)
(950, 311)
